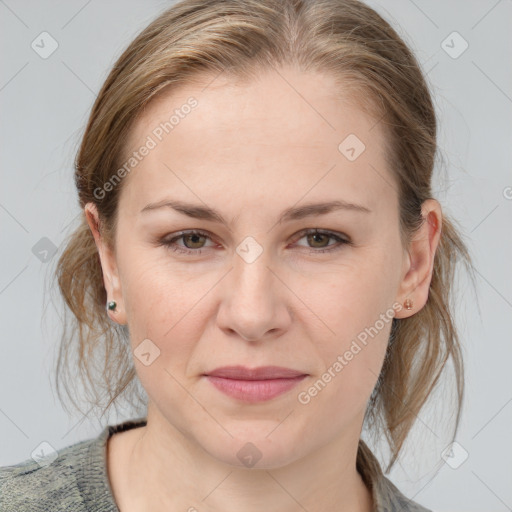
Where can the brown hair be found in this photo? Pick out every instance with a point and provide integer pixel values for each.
(354, 44)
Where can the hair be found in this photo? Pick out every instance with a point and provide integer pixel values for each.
(355, 45)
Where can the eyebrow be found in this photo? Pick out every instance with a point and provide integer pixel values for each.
(294, 213)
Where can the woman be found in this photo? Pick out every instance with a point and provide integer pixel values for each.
(255, 179)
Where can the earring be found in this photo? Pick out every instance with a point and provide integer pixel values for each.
(408, 304)
(111, 305)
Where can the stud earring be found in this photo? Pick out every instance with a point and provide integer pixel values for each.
(111, 306)
(408, 304)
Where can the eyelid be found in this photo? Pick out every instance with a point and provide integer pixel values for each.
(180, 234)
(340, 238)
(320, 231)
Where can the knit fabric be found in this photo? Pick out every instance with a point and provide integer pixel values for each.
(77, 480)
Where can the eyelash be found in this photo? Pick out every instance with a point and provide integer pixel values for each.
(170, 244)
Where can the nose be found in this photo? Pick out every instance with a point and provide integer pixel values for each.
(253, 304)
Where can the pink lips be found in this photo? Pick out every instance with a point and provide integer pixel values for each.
(254, 384)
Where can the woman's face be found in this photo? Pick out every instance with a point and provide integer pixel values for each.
(258, 290)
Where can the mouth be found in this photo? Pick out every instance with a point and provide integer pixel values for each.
(254, 384)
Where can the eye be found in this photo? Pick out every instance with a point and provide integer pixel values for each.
(194, 241)
(318, 236)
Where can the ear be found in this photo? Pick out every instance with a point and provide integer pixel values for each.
(109, 268)
(419, 261)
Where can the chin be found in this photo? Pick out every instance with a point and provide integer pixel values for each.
(256, 451)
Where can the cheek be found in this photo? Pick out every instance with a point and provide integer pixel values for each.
(157, 299)
(352, 297)
(153, 291)
(356, 311)
(352, 360)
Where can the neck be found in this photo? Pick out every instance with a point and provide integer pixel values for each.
(165, 470)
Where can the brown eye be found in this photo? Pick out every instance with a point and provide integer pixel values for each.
(196, 240)
(193, 242)
(318, 241)
(319, 238)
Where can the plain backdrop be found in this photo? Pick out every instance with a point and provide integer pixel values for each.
(465, 49)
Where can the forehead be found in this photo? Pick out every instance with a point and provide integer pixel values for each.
(282, 132)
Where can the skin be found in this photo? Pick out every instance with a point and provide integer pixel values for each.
(251, 151)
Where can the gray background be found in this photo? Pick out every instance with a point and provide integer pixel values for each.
(45, 104)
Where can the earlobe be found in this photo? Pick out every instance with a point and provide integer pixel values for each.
(108, 266)
(415, 285)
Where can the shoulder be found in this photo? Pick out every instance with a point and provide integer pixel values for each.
(51, 483)
(74, 479)
(386, 495)
(391, 499)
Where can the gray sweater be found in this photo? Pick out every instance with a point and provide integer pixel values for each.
(77, 480)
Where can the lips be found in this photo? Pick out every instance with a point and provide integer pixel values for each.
(260, 373)
(254, 384)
